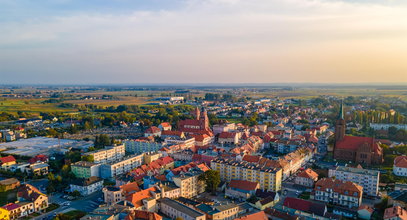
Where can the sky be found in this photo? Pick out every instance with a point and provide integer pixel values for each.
(202, 41)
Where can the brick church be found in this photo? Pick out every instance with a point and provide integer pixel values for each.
(361, 150)
(197, 126)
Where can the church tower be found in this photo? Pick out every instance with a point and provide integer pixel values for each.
(204, 119)
(196, 113)
(340, 126)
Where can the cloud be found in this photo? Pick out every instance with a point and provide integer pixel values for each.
(211, 41)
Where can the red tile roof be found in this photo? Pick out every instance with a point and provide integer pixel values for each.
(339, 186)
(11, 206)
(256, 216)
(227, 134)
(353, 142)
(244, 184)
(395, 211)
(308, 173)
(153, 130)
(400, 161)
(7, 159)
(142, 215)
(251, 158)
(137, 198)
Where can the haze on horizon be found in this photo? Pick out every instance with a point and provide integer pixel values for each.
(202, 41)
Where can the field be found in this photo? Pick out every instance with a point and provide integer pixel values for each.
(29, 105)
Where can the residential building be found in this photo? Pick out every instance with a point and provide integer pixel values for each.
(228, 211)
(108, 155)
(139, 146)
(228, 138)
(203, 139)
(142, 215)
(145, 199)
(174, 209)
(266, 199)
(115, 194)
(39, 169)
(368, 179)
(7, 162)
(9, 184)
(165, 126)
(189, 184)
(187, 142)
(306, 178)
(152, 131)
(395, 213)
(338, 192)
(30, 194)
(255, 216)
(305, 208)
(365, 212)
(123, 166)
(241, 189)
(400, 166)
(363, 150)
(269, 178)
(87, 186)
(83, 169)
(4, 214)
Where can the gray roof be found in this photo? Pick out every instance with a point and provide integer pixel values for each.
(358, 170)
(180, 207)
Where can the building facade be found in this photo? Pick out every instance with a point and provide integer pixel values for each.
(87, 186)
(338, 192)
(189, 184)
(83, 169)
(400, 166)
(108, 155)
(368, 179)
(230, 169)
(141, 146)
(123, 166)
(174, 209)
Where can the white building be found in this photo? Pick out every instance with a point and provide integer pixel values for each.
(109, 154)
(139, 146)
(368, 179)
(174, 209)
(379, 126)
(87, 186)
(113, 169)
(400, 166)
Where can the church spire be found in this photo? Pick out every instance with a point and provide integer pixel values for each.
(341, 111)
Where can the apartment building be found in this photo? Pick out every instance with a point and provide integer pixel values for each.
(368, 179)
(87, 186)
(306, 178)
(110, 170)
(230, 169)
(139, 146)
(338, 192)
(174, 209)
(108, 155)
(83, 169)
(189, 184)
(187, 142)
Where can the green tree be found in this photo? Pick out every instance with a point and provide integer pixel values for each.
(212, 180)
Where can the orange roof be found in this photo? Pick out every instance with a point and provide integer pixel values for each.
(400, 161)
(308, 173)
(165, 124)
(395, 211)
(130, 188)
(142, 215)
(203, 167)
(137, 198)
(244, 184)
(339, 186)
(256, 216)
(251, 158)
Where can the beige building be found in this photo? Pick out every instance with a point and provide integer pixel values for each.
(220, 212)
(123, 166)
(174, 209)
(189, 184)
(338, 192)
(230, 169)
(108, 155)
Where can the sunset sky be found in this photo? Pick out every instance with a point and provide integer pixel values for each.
(203, 41)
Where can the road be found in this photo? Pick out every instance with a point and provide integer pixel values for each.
(86, 204)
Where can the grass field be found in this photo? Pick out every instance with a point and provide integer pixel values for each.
(121, 100)
(29, 105)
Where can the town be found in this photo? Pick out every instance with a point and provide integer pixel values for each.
(216, 155)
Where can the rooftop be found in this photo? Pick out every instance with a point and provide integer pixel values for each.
(180, 207)
(358, 170)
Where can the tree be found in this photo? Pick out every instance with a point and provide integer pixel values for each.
(88, 158)
(212, 180)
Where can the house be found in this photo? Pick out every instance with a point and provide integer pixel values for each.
(305, 208)
(226, 211)
(9, 184)
(18, 210)
(365, 212)
(274, 214)
(338, 192)
(165, 126)
(4, 214)
(306, 178)
(395, 213)
(241, 189)
(152, 131)
(30, 194)
(7, 162)
(228, 138)
(38, 159)
(202, 139)
(368, 179)
(400, 166)
(39, 169)
(255, 216)
(267, 199)
(115, 194)
(142, 215)
(174, 209)
(87, 186)
(145, 199)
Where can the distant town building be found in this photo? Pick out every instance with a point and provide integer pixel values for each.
(400, 166)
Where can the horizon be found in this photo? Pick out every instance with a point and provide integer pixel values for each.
(71, 42)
